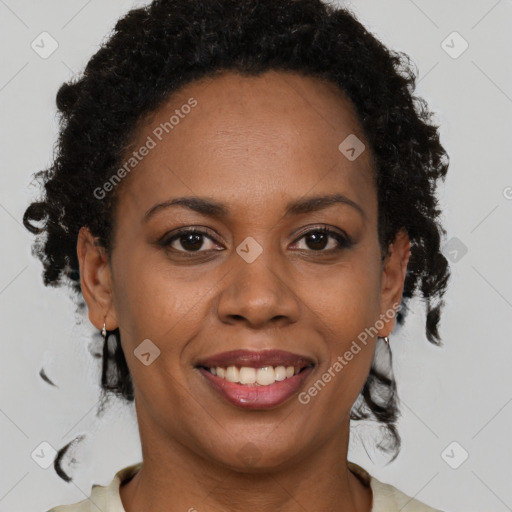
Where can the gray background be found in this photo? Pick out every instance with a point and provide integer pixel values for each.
(459, 393)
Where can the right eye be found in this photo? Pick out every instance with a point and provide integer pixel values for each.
(191, 240)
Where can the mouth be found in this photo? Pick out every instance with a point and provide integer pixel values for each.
(256, 380)
(247, 375)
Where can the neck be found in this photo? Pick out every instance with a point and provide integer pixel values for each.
(171, 473)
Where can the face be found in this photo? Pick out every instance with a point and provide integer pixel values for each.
(269, 279)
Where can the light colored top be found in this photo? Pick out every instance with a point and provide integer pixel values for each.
(386, 498)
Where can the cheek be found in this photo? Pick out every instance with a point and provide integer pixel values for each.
(157, 301)
(346, 299)
(345, 307)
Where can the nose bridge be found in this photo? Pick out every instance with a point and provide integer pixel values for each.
(257, 289)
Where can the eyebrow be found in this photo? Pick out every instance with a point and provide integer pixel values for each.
(212, 208)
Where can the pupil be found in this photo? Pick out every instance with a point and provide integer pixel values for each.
(317, 238)
(193, 240)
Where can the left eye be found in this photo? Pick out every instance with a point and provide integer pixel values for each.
(317, 240)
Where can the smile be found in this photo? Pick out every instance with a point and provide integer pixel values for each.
(256, 380)
(264, 376)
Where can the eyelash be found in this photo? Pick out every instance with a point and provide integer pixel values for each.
(344, 242)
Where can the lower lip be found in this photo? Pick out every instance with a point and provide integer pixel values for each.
(257, 397)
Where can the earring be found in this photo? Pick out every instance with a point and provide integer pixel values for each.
(104, 332)
(386, 339)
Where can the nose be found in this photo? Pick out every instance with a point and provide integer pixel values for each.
(259, 293)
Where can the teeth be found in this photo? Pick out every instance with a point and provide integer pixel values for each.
(280, 373)
(264, 376)
(232, 374)
(247, 375)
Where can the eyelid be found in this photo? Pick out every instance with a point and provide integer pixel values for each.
(343, 240)
(321, 227)
(183, 230)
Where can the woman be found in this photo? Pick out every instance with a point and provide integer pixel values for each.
(244, 196)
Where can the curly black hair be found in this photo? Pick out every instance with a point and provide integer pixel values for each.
(157, 49)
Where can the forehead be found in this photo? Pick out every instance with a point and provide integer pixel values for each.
(251, 140)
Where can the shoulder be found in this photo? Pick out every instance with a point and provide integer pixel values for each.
(386, 497)
(103, 497)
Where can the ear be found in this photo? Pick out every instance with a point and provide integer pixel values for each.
(96, 280)
(393, 277)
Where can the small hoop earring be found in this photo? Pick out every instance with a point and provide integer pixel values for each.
(386, 339)
(104, 332)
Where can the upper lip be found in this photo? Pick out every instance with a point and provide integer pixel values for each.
(256, 359)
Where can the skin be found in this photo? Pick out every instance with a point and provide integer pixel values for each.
(254, 144)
